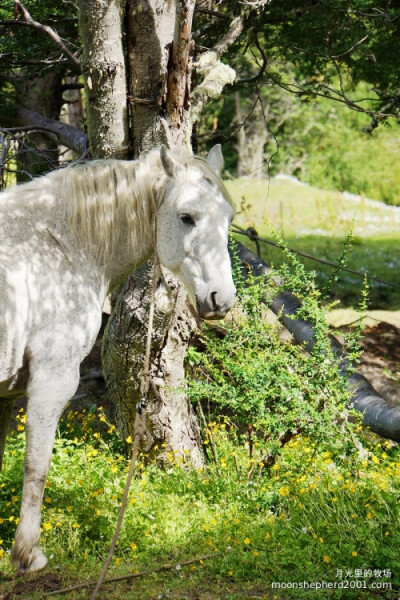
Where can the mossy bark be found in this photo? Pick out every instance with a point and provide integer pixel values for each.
(172, 427)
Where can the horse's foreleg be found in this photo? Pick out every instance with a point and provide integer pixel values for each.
(6, 407)
(48, 394)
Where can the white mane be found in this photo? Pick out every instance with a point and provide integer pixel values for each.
(105, 199)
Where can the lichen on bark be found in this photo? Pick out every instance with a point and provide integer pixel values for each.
(101, 26)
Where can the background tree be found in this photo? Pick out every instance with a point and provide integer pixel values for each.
(312, 49)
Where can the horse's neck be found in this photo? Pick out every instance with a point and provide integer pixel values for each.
(133, 250)
(124, 261)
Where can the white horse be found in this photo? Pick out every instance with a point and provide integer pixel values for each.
(66, 239)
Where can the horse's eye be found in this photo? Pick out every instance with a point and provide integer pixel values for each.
(187, 220)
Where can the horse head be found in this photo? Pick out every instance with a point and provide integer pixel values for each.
(193, 219)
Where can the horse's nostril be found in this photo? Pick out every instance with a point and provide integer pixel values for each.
(214, 302)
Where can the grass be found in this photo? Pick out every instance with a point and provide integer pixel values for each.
(314, 518)
(317, 222)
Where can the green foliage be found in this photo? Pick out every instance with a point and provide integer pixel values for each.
(274, 387)
(360, 37)
(27, 52)
(321, 142)
(340, 155)
(330, 74)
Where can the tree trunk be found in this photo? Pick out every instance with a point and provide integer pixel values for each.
(173, 430)
(172, 427)
(153, 30)
(101, 29)
(150, 33)
(72, 113)
(251, 141)
(38, 152)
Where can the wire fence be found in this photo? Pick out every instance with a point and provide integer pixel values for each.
(252, 234)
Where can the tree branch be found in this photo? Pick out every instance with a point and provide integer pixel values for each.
(179, 72)
(213, 13)
(261, 69)
(71, 137)
(19, 7)
(234, 32)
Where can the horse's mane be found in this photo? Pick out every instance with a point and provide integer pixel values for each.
(107, 198)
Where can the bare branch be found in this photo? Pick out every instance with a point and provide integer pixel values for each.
(213, 13)
(179, 72)
(263, 65)
(24, 119)
(234, 32)
(337, 96)
(333, 56)
(387, 110)
(255, 3)
(19, 7)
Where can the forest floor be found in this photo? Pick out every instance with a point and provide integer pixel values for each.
(380, 360)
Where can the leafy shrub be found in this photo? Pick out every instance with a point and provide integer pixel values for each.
(279, 390)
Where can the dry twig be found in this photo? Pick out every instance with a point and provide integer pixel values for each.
(166, 567)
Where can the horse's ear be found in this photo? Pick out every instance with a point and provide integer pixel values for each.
(215, 158)
(169, 164)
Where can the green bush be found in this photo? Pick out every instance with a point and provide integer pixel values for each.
(276, 389)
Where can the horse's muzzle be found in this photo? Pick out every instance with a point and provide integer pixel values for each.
(213, 308)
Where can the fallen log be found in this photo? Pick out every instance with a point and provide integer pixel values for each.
(379, 415)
